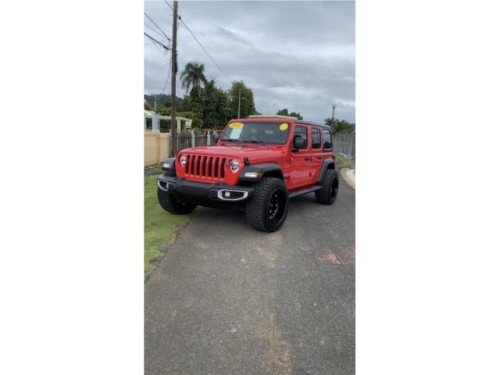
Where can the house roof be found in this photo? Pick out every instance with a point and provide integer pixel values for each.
(149, 114)
(148, 105)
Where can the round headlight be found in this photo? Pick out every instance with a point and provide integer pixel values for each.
(234, 165)
(182, 160)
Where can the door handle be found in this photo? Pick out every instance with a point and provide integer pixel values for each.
(308, 158)
(319, 157)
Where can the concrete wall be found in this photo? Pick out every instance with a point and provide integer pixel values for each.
(156, 147)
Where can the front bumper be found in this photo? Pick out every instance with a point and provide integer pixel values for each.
(205, 193)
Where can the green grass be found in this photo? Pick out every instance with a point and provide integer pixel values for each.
(159, 225)
(342, 162)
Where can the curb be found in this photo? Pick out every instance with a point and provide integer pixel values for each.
(349, 176)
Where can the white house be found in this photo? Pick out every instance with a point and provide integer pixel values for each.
(156, 117)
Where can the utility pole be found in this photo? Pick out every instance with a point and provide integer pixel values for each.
(239, 102)
(173, 120)
(333, 118)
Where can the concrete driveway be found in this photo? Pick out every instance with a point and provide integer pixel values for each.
(227, 299)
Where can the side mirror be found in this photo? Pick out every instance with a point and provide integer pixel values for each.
(298, 142)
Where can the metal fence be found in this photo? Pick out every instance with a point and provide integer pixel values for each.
(345, 145)
(191, 140)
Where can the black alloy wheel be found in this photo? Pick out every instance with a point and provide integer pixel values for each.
(267, 209)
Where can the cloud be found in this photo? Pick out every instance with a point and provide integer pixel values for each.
(298, 55)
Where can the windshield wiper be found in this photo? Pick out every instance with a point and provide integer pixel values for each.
(254, 141)
(237, 141)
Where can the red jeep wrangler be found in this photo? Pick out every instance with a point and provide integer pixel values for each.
(259, 162)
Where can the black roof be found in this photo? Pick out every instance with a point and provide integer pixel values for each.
(276, 117)
(312, 123)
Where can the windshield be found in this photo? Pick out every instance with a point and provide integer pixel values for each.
(257, 132)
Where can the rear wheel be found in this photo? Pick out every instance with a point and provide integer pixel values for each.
(172, 205)
(329, 189)
(269, 206)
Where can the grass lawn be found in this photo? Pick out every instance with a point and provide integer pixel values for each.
(159, 225)
(342, 162)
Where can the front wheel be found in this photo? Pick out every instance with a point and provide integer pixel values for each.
(329, 189)
(169, 203)
(268, 208)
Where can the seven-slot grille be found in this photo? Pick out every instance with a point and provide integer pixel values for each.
(206, 167)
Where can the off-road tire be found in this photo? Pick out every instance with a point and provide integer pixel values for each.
(172, 205)
(267, 209)
(329, 189)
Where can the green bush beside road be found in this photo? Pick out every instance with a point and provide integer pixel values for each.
(342, 162)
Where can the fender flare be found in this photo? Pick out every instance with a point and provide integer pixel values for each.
(261, 170)
(327, 164)
(170, 170)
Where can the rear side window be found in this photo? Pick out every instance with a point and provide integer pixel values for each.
(300, 135)
(316, 138)
(327, 140)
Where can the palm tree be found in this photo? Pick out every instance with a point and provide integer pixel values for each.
(193, 76)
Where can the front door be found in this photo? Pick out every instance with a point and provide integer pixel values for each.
(300, 160)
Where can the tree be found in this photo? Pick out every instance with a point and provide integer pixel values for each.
(193, 77)
(341, 126)
(197, 113)
(247, 105)
(284, 112)
(186, 104)
(161, 100)
(209, 104)
(215, 104)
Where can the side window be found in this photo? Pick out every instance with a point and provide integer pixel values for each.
(327, 140)
(316, 138)
(300, 137)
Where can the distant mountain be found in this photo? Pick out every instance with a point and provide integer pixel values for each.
(162, 100)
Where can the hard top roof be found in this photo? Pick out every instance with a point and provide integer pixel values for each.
(273, 117)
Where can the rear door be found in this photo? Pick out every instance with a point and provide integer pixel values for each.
(316, 154)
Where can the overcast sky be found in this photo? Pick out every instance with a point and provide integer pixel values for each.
(295, 55)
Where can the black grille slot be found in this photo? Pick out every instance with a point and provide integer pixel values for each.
(197, 162)
(222, 168)
(209, 166)
(216, 167)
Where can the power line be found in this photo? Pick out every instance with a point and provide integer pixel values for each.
(154, 40)
(166, 2)
(153, 44)
(211, 58)
(166, 36)
(168, 77)
(153, 30)
(204, 49)
(158, 48)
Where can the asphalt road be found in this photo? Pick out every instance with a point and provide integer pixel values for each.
(227, 299)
